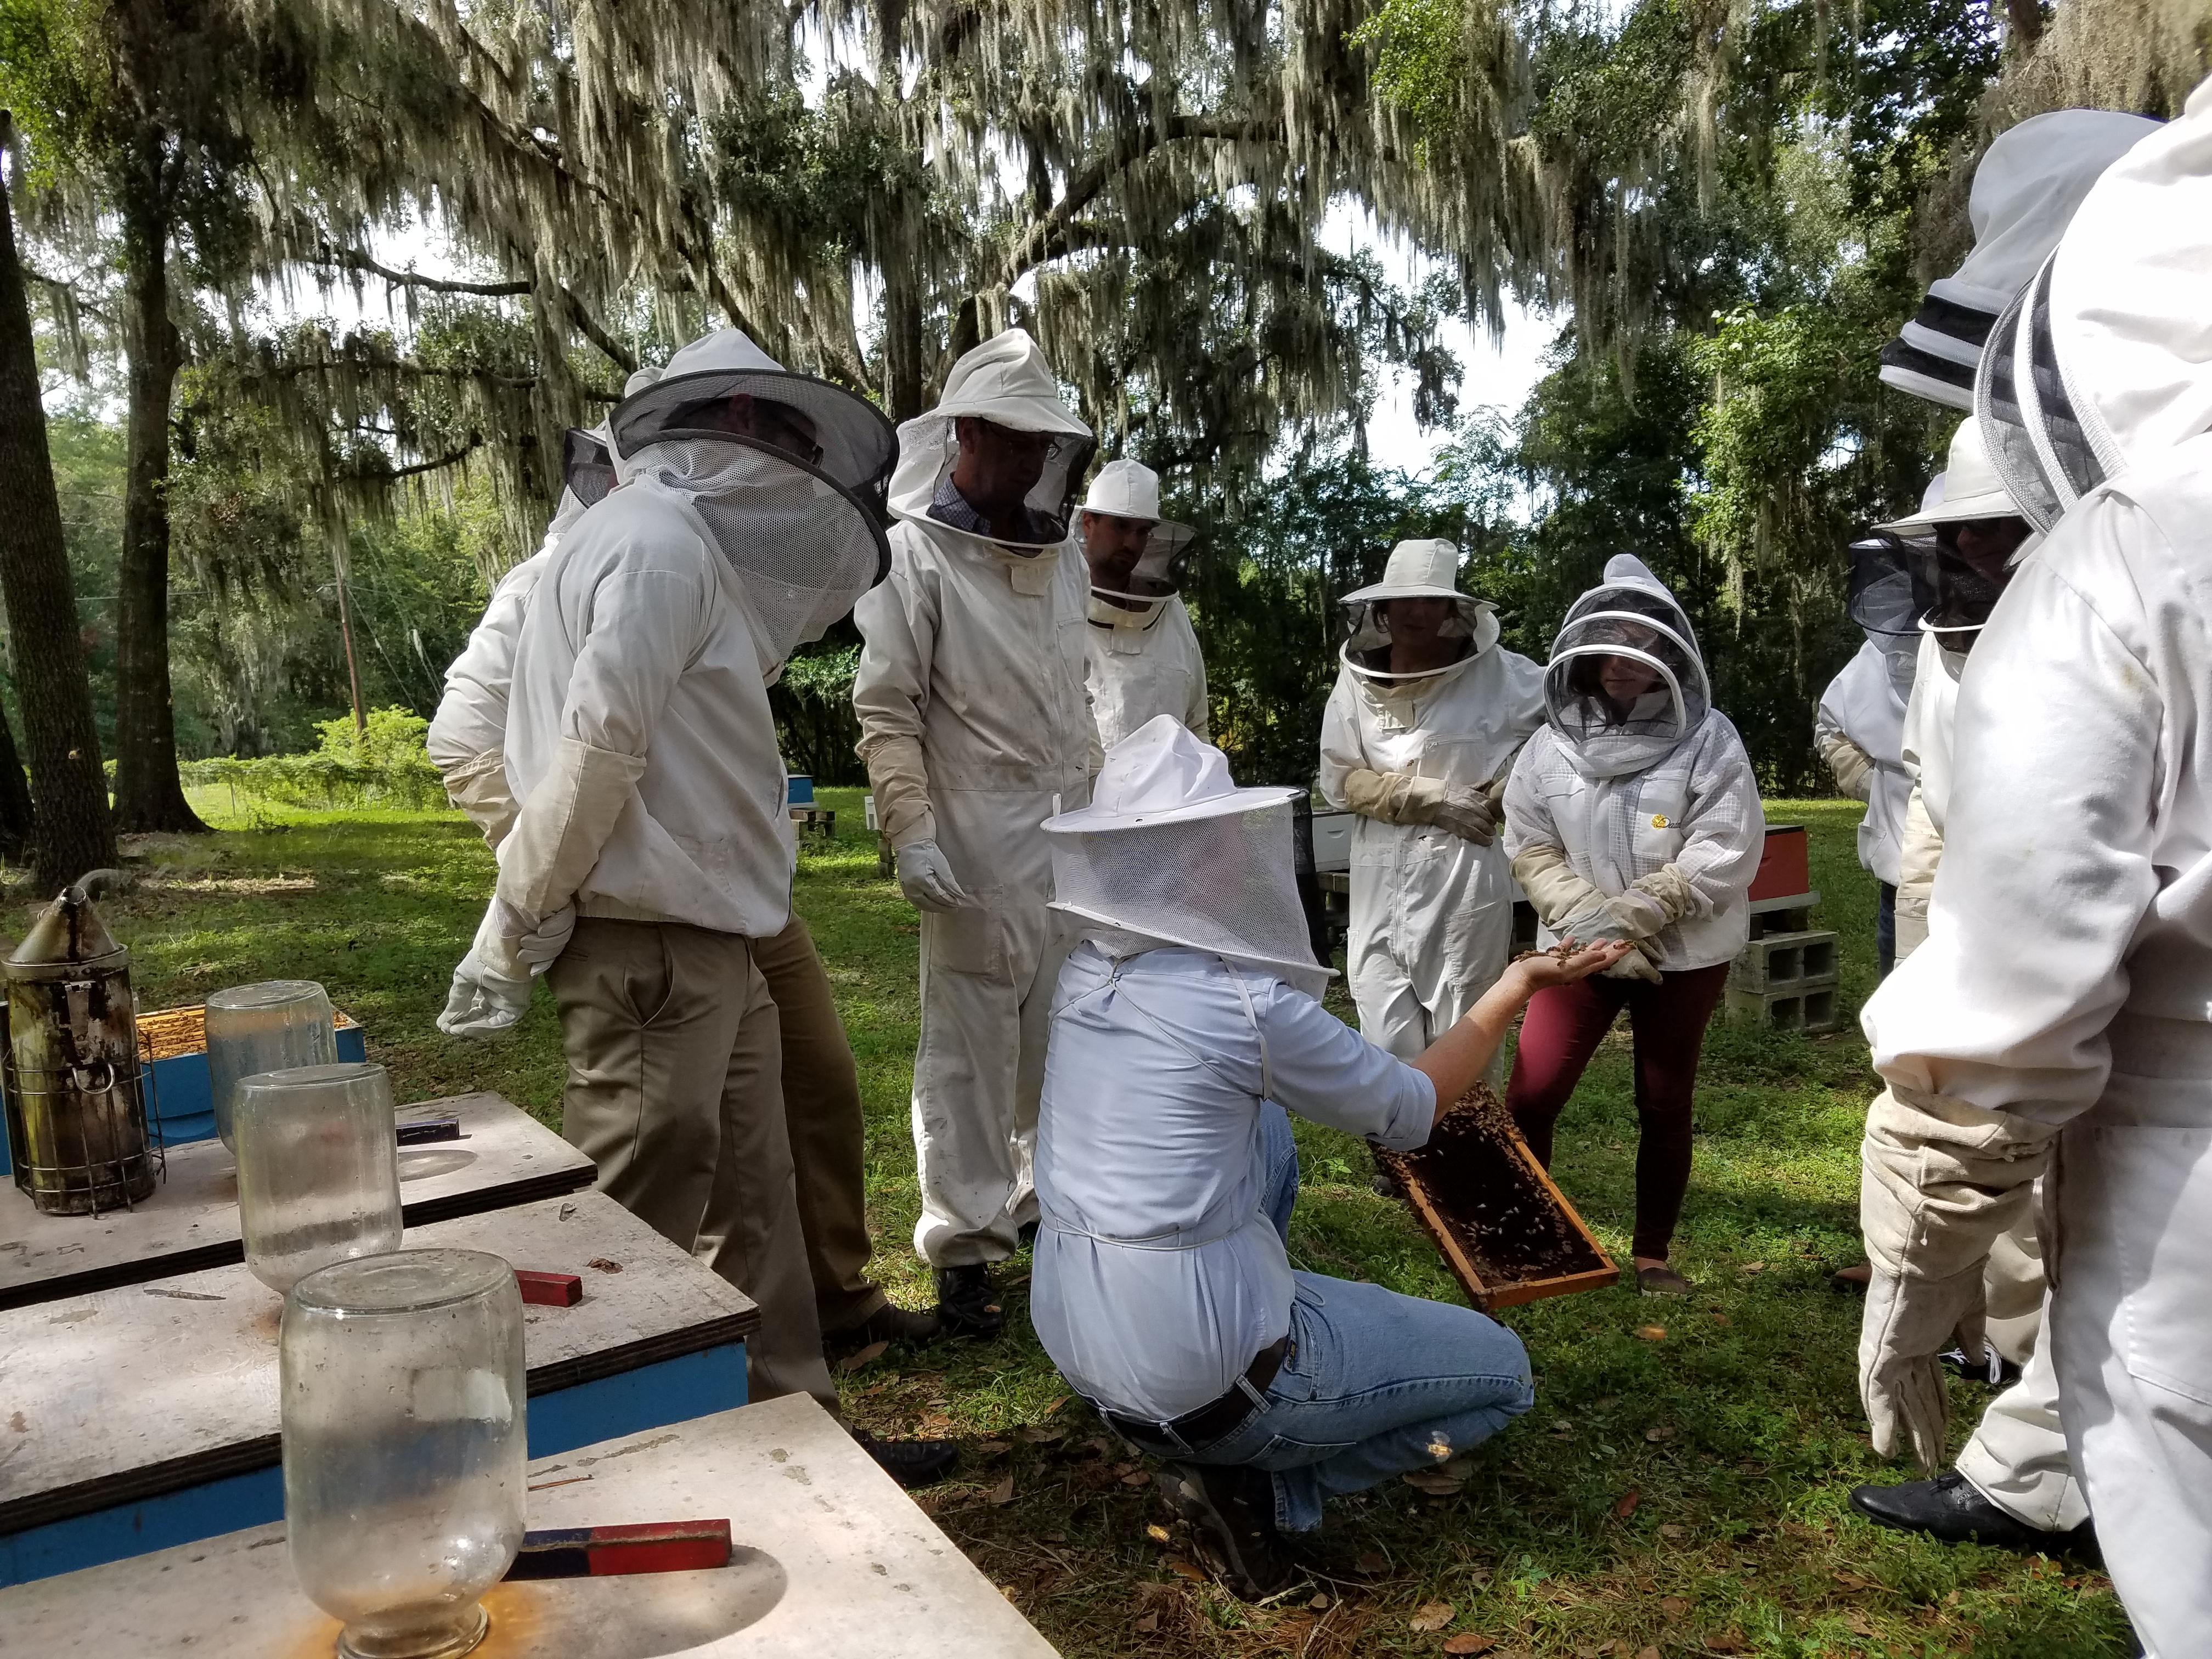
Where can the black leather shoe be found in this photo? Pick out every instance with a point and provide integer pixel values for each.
(967, 1304)
(1231, 1511)
(910, 1462)
(1951, 1510)
(888, 1323)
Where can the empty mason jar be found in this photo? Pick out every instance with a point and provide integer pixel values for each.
(317, 1168)
(403, 1446)
(270, 1027)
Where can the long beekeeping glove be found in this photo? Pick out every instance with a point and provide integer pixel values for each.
(491, 987)
(1469, 812)
(1852, 766)
(925, 876)
(1920, 849)
(1394, 797)
(1551, 885)
(556, 840)
(478, 787)
(1574, 909)
(900, 782)
(1939, 1180)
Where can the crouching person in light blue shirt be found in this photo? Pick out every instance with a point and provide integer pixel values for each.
(1183, 1025)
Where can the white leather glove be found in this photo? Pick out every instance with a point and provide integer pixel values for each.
(528, 943)
(925, 876)
(1469, 812)
(1908, 1321)
(1636, 913)
(484, 1001)
(1633, 965)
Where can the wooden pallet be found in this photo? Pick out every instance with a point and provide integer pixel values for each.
(1497, 1266)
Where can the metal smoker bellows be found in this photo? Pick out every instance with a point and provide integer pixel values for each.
(76, 1098)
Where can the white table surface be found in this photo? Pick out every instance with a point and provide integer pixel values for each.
(126, 1393)
(835, 1563)
(505, 1156)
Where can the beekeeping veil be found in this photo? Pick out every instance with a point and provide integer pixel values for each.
(1417, 570)
(1127, 489)
(2025, 188)
(1891, 591)
(1007, 381)
(1960, 597)
(804, 532)
(1631, 614)
(1171, 852)
(2105, 359)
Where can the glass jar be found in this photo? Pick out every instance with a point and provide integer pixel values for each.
(402, 1378)
(317, 1168)
(270, 1027)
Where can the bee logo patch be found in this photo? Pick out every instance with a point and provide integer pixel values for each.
(1658, 820)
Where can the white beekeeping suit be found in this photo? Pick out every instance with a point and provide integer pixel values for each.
(974, 721)
(2062, 998)
(643, 755)
(1422, 758)
(1860, 730)
(467, 739)
(1142, 655)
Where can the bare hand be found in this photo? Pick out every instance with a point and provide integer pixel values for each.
(1572, 962)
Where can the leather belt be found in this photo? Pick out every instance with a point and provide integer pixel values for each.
(1215, 1420)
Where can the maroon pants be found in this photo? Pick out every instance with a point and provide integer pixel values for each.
(1564, 1026)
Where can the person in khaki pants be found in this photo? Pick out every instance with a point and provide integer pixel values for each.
(651, 854)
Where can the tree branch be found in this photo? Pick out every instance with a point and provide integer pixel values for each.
(346, 258)
(588, 325)
(417, 469)
(1033, 249)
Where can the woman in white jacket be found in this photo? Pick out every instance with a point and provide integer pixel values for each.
(1633, 814)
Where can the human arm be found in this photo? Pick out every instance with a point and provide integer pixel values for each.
(638, 628)
(890, 696)
(1920, 849)
(1455, 1061)
(467, 738)
(1847, 760)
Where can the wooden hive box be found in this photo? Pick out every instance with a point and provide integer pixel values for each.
(1507, 1233)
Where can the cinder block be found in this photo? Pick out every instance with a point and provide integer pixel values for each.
(1785, 961)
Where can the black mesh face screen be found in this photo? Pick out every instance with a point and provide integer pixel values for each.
(587, 467)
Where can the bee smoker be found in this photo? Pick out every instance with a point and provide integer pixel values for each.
(77, 1107)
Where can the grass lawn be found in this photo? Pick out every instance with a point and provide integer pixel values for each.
(1678, 1489)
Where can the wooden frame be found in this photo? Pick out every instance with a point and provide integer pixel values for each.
(1437, 1222)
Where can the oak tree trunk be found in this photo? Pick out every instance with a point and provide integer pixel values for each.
(73, 830)
(149, 795)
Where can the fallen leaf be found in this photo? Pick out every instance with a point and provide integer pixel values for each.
(1659, 1432)
(1674, 1608)
(1056, 1404)
(1040, 1437)
(1372, 1562)
(1319, 1602)
(1435, 1482)
(1858, 1624)
(1647, 1653)
(1851, 1581)
(1432, 1615)
(1149, 1623)
(1468, 1642)
(1004, 1491)
(1136, 1478)
(1722, 1319)
(991, 1448)
(1606, 1404)
(1731, 1643)
(1008, 1591)
(1626, 1506)
(1124, 1468)
(1187, 1570)
(1673, 1534)
(1752, 1267)
(1563, 1427)
(1054, 1537)
(1652, 1333)
(1156, 1532)
(869, 1355)
(603, 1265)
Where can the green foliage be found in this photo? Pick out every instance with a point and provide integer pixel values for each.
(383, 766)
(814, 727)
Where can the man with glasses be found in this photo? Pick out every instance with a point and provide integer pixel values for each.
(974, 723)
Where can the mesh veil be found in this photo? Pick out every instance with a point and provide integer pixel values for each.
(803, 548)
(1159, 572)
(2035, 438)
(1625, 620)
(1226, 884)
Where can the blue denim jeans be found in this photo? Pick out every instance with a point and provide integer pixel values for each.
(1373, 1383)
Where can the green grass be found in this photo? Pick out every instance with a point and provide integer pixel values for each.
(1682, 1491)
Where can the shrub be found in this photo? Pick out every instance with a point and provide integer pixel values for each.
(383, 765)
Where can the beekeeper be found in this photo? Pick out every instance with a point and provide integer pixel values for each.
(1633, 814)
(652, 817)
(974, 721)
(822, 1113)
(1859, 727)
(2013, 1485)
(1183, 1026)
(2060, 1003)
(1142, 656)
(1419, 732)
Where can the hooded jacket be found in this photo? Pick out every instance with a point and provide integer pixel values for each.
(1669, 788)
(972, 668)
